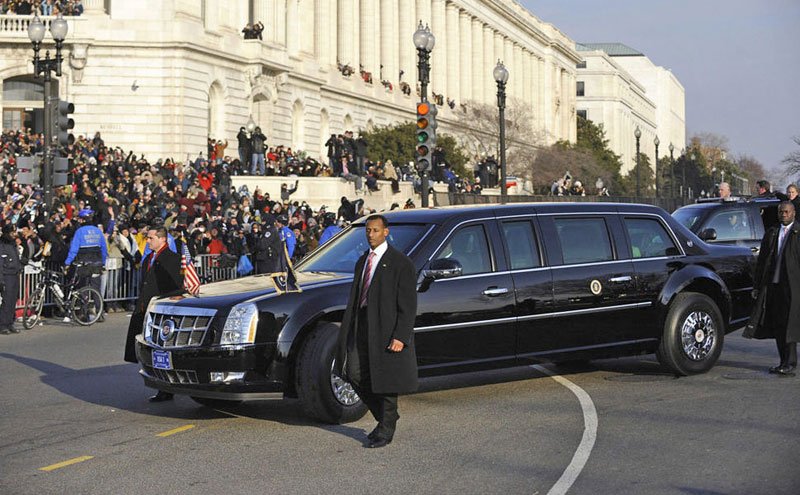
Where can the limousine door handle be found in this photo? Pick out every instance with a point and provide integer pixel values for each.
(755, 249)
(619, 280)
(495, 291)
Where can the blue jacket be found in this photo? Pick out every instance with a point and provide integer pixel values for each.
(86, 243)
(330, 231)
(287, 236)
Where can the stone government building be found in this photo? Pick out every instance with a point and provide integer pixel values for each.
(159, 76)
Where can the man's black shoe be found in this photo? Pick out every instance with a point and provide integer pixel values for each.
(161, 397)
(373, 434)
(6, 331)
(775, 369)
(786, 370)
(379, 442)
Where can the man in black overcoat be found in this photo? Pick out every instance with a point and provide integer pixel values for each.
(777, 290)
(375, 350)
(160, 277)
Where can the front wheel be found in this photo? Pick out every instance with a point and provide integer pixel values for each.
(693, 335)
(86, 305)
(324, 395)
(33, 308)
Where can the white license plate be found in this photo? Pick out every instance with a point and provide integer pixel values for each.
(162, 360)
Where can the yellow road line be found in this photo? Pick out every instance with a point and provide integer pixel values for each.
(53, 467)
(175, 430)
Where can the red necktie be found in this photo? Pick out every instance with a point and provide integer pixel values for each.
(367, 280)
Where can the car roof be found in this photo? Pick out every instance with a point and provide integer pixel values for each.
(439, 215)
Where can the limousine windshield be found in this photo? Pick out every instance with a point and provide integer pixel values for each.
(340, 254)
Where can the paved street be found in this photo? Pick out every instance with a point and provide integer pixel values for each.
(68, 396)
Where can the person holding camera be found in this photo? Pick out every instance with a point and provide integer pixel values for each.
(10, 268)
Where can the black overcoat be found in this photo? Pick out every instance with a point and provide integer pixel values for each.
(163, 279)
(757, 327)
(391, 311)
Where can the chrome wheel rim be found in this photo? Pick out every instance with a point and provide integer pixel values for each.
(698, 335)
(342, 390)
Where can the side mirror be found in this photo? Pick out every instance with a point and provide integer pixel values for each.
(708, 235)
(443, 268)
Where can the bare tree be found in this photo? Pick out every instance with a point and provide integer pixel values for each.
(482, 125)
(713, 147)
(792, 160)
(752, 169)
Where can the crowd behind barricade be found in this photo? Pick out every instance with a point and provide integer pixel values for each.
(41, 7)
(194, 200)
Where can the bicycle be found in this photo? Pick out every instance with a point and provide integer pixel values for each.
(85, 304)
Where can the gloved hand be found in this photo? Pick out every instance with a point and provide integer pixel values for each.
(2, 288)
(754, 294)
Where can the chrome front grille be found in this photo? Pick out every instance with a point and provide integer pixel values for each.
(172, 326)
(179, 377)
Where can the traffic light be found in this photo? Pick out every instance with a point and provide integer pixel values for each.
(28, 169)
(426, 135)
(63, 123)
(61, 168)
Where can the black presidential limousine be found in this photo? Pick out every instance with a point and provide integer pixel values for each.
(498, 286)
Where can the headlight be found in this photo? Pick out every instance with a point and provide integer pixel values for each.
(148, 321)
(240, 327)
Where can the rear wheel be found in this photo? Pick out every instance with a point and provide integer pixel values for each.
(33, 308)
(324, 395)
(86, 305)
(693, 335)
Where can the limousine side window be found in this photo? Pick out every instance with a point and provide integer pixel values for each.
(583, 240)
(521, 245)
(731, 225)
(648, 238)
(469, 246)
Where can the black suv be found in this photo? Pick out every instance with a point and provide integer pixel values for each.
(498, 286)
(738, 221)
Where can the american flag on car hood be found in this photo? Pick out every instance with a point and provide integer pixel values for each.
(191, 282)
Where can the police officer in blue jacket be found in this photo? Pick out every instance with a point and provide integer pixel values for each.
(88, 246)
(331, 229)
(287, 236)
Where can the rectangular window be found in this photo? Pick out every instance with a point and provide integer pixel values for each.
(583, 240)
(581, 64)
(649, 239)
(521, 245)
(580, 88)
(583, 114)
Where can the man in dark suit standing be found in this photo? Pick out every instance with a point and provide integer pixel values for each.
(777, 290)
(375, 350)
(160, 277)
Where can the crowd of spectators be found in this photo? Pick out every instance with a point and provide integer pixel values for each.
(41, 7)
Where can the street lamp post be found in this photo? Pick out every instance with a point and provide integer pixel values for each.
(671, 171)
(44, 67)
(500, 74)
(683, 171)
(637, 134)
(656, 141)
(424, 41)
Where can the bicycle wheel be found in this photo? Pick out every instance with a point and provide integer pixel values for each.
(86, 305)
(33, 308)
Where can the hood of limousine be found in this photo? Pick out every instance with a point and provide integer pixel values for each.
(219, 295)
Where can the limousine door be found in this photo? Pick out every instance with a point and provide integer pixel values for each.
(467, 320)
(593, 300)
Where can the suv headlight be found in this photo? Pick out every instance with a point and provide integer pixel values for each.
(148, 321)
(240, 327)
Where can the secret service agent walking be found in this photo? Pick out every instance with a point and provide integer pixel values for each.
(777, 290)
(375, 349)
(10, 267)
(161, 277)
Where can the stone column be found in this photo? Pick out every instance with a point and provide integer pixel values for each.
(292, 22)
(279, 21)
(367, 36)
(423, 13)
(508, 58)
(528, 82)
(489, 61)
(332, 21)
(439, 55)
(346, 46)
(453, 68)
(519, 86)
(465, 50)
(389, 39)
(477, 60)
(407, 53)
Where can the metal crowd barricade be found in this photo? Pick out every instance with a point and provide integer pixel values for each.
(122, 284)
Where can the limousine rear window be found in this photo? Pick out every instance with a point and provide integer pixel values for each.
(340, 254)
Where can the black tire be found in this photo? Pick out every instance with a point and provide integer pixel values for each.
(315, 381)
(33, 308)
(693, 335)
(216, 403)
(86, 306)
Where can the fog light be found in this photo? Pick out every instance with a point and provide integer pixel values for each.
(227, 376)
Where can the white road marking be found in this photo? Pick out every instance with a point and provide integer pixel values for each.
(581, 455)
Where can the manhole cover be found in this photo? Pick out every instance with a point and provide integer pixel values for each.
(750, 375)
(641, 378)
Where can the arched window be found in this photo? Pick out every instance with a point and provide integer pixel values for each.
(348, 123)
(23, 104)
(324, 131)
(298, 129)
(216, 111)
(261, 112)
